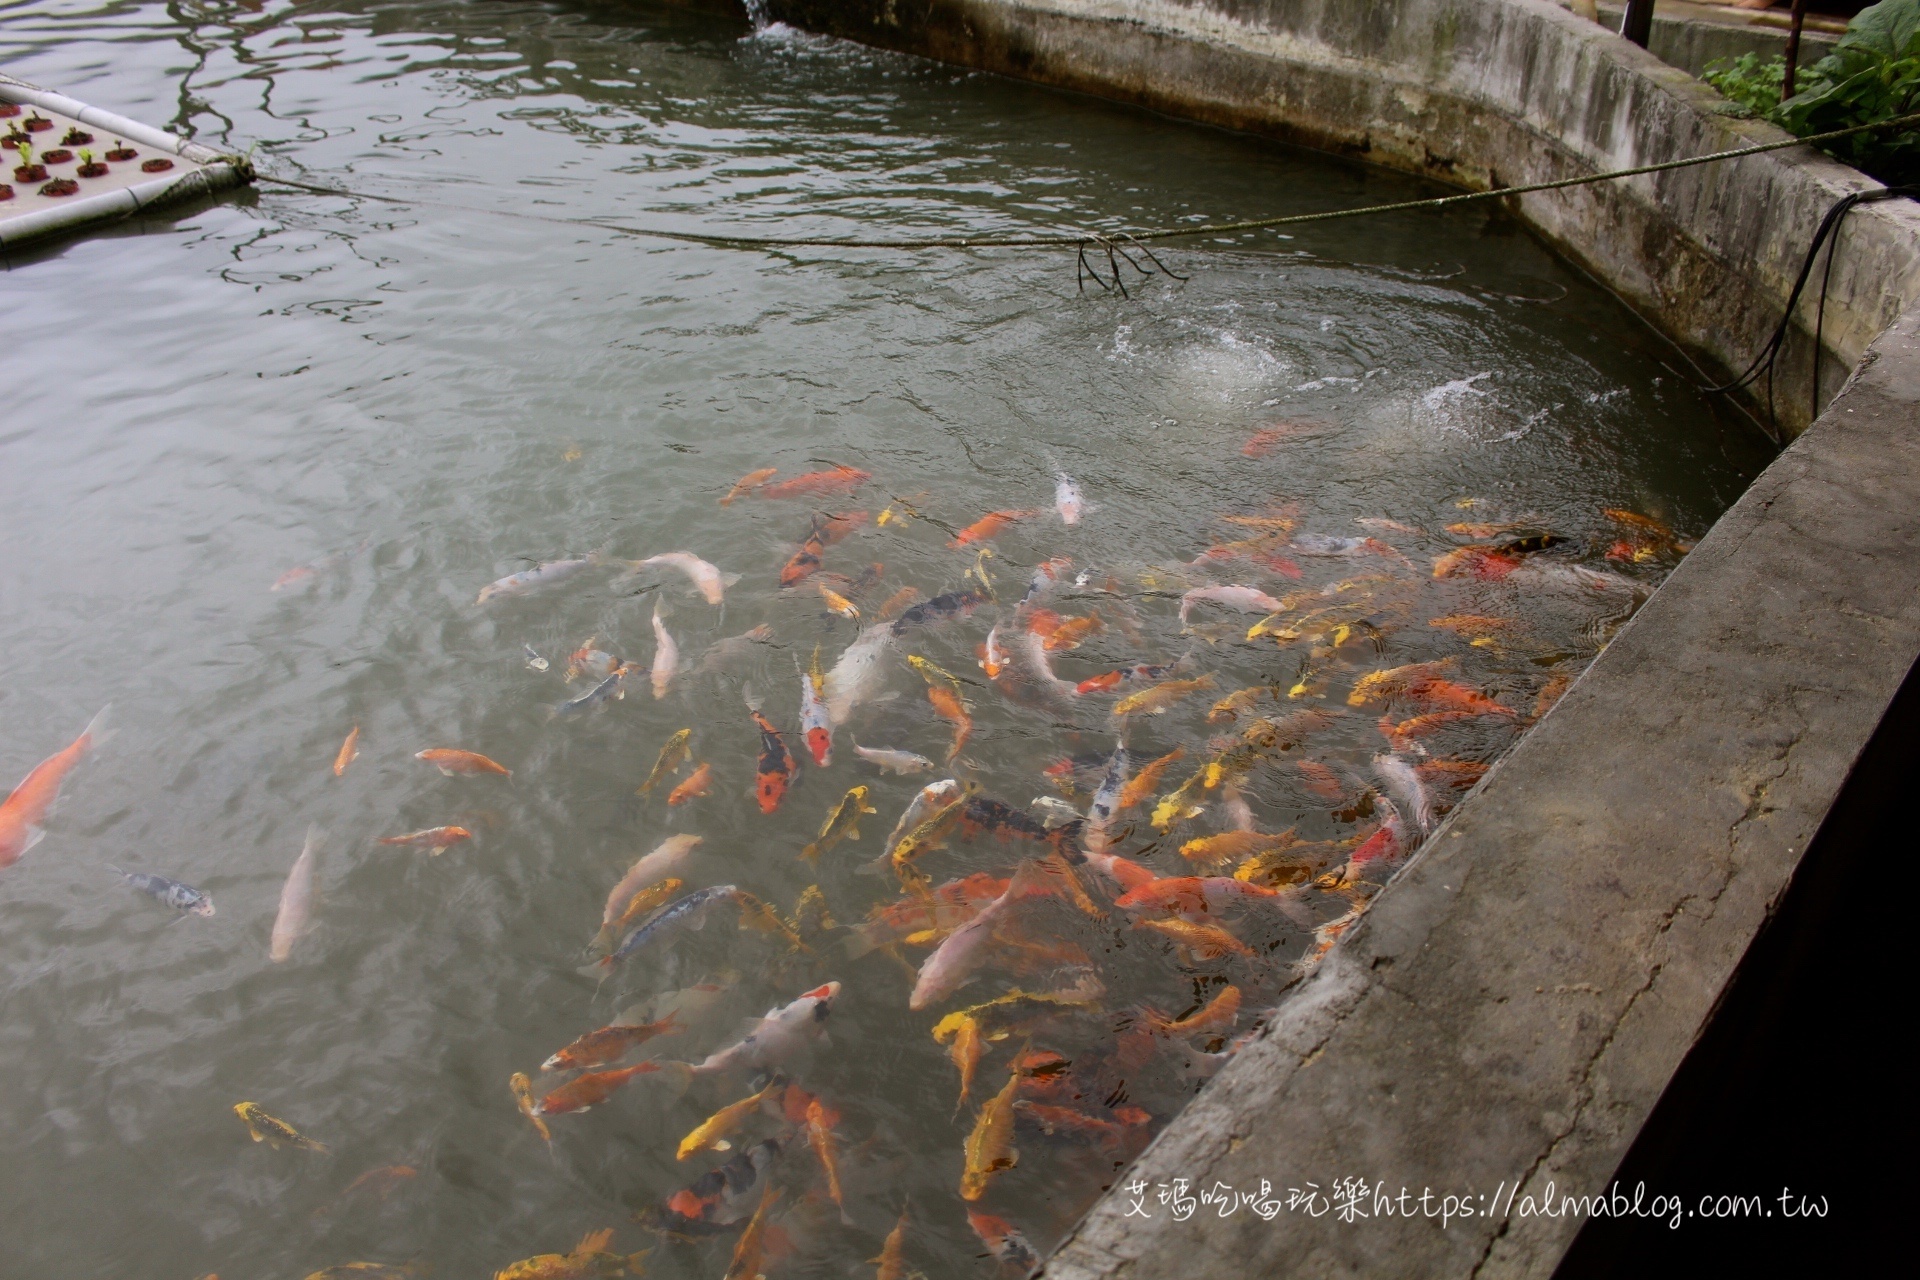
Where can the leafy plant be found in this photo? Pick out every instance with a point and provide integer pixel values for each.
(1873, 74)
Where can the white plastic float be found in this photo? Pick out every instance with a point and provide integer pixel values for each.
(128, 187)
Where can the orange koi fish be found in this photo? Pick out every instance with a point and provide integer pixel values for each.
(949, 706)
(1481, 563)
(452, 761)
(1402, 735)
(1003, 1241)
(1320, 780)
(523, 1096)
(696, 784)
(609, 1044)
(1445, 695)
(1191, 895)
(22, 812)
(820, 1122)
(748, 483)
(776, 765)
(1074, 1123)
(904, 598)
(1072, 632)
(349, 752)
(988, 527)
(817, 483)
(1218, 1014)
(434, 838)
(1262, 442)
(892, 1261)
(1205, 941)
(589, 1090)
(989, 1147)
(1378, 686)
(750, 1250)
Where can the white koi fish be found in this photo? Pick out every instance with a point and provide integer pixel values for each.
(708, 580)
(779, 1036)
(1245, 599)
(536, 578)
(857, 674)
(892, 760)
(1404, 784)
(666, 655)
(1067, 500)
(1105, 801)
(296, 898)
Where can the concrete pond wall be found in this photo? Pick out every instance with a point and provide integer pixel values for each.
(1504, 1019)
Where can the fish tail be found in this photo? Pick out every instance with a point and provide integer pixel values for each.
(811, 853)
(97, 733)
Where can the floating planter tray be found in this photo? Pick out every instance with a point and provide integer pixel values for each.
(163, 169)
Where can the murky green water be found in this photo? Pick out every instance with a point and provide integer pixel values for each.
(421, 400)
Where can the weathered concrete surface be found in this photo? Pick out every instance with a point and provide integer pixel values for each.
(1514, 1003)
(1689, 36)
(1481, 93)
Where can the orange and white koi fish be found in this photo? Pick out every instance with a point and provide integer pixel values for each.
(840, 479)
(433, 838)
(296, 898)
(1004, 1241)
(695, 785)
(596, 664)
(837, 603)
(1387, 843)
(23, 811)
(1072, 632)
(609, 1044)
(989, 527)
(349, 752)
(590, 1090)
(748, 483)
(989, 1147)
(816, 726)
(707, 580)
(452, 761)
(666, 655)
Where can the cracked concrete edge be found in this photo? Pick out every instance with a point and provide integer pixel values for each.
(1493, 93)
(1577, 918)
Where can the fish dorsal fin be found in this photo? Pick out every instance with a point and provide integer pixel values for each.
(595, 1241)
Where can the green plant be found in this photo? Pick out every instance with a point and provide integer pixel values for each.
(1873, 74)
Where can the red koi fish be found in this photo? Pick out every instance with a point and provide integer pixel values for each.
(1482, 564)
(826, 531)
(816, 483)
(1108, 681)
(23, 811)
(589, 1090)
(989, 527)
(776, 767)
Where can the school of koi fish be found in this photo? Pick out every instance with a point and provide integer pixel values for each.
(1074, 940)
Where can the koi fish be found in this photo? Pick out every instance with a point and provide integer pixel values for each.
(779, 1036)
(689, 912)
(1106, 801)
(296, 898)
(1107, 682)
(1323, 544)
(523, 1097)
(1205, 941)
(963, 951)
(949, 706)
(820, 1122)
(377, 1185)
(775, 768)
(1475, 626)
(856, 676)
(719, 1198)
(170, 893)
(840, 479)
(609, 689)
(1241, 700)
(750, 1250)
(1231, 846)
(891, 760)
(966, 1045)
(272, 1130)
(1378, 686)
(942, 608)
(1143, 784)
(837, 603)
(609, 1044)
(696, 784)
(989, 1147)
(1404, 784)
(1066, 499)
(650, 869)
(1386, 843)
(816, 726)
(748, 483)
(1072, 632)
(595, 664)
(901, 599)
(349, 752)
(707, 579)
(988, 527)
(587, 1261)
(931, 832)
(452, 761)
(674, 754)
(1192, 895)
(842, 824)
(1479, 562)
(1157, 699)
(1003, 1241)
(1262, 442)
(433, 838)
(666, 655)
(824, 532)
(713, 1132)
(632, 908)
(537, 578)
(23, 811)
(892, 1260)
(1219, 1014)
(725, 651)
(588, 1091)
(1244, 599)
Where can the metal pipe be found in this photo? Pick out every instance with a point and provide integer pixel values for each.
(1793, 48)
(1637, 26)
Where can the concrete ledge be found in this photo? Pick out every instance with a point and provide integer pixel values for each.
(1479, 93)
(1513, 1005)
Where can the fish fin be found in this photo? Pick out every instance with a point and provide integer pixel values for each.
(117, 871)
(598, 969)
(675, 1077)
(98, 733)
(752, 699)
(595, 1241)
(729, 579)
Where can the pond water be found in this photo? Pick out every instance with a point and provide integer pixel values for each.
(259, 460)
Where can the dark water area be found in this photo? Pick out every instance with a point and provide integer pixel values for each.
(258, 461)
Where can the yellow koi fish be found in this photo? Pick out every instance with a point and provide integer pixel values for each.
(990, 1146)
(1156, 700)
(842, 824)
(713, 1132)
(676, 753)
(272, 1130)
